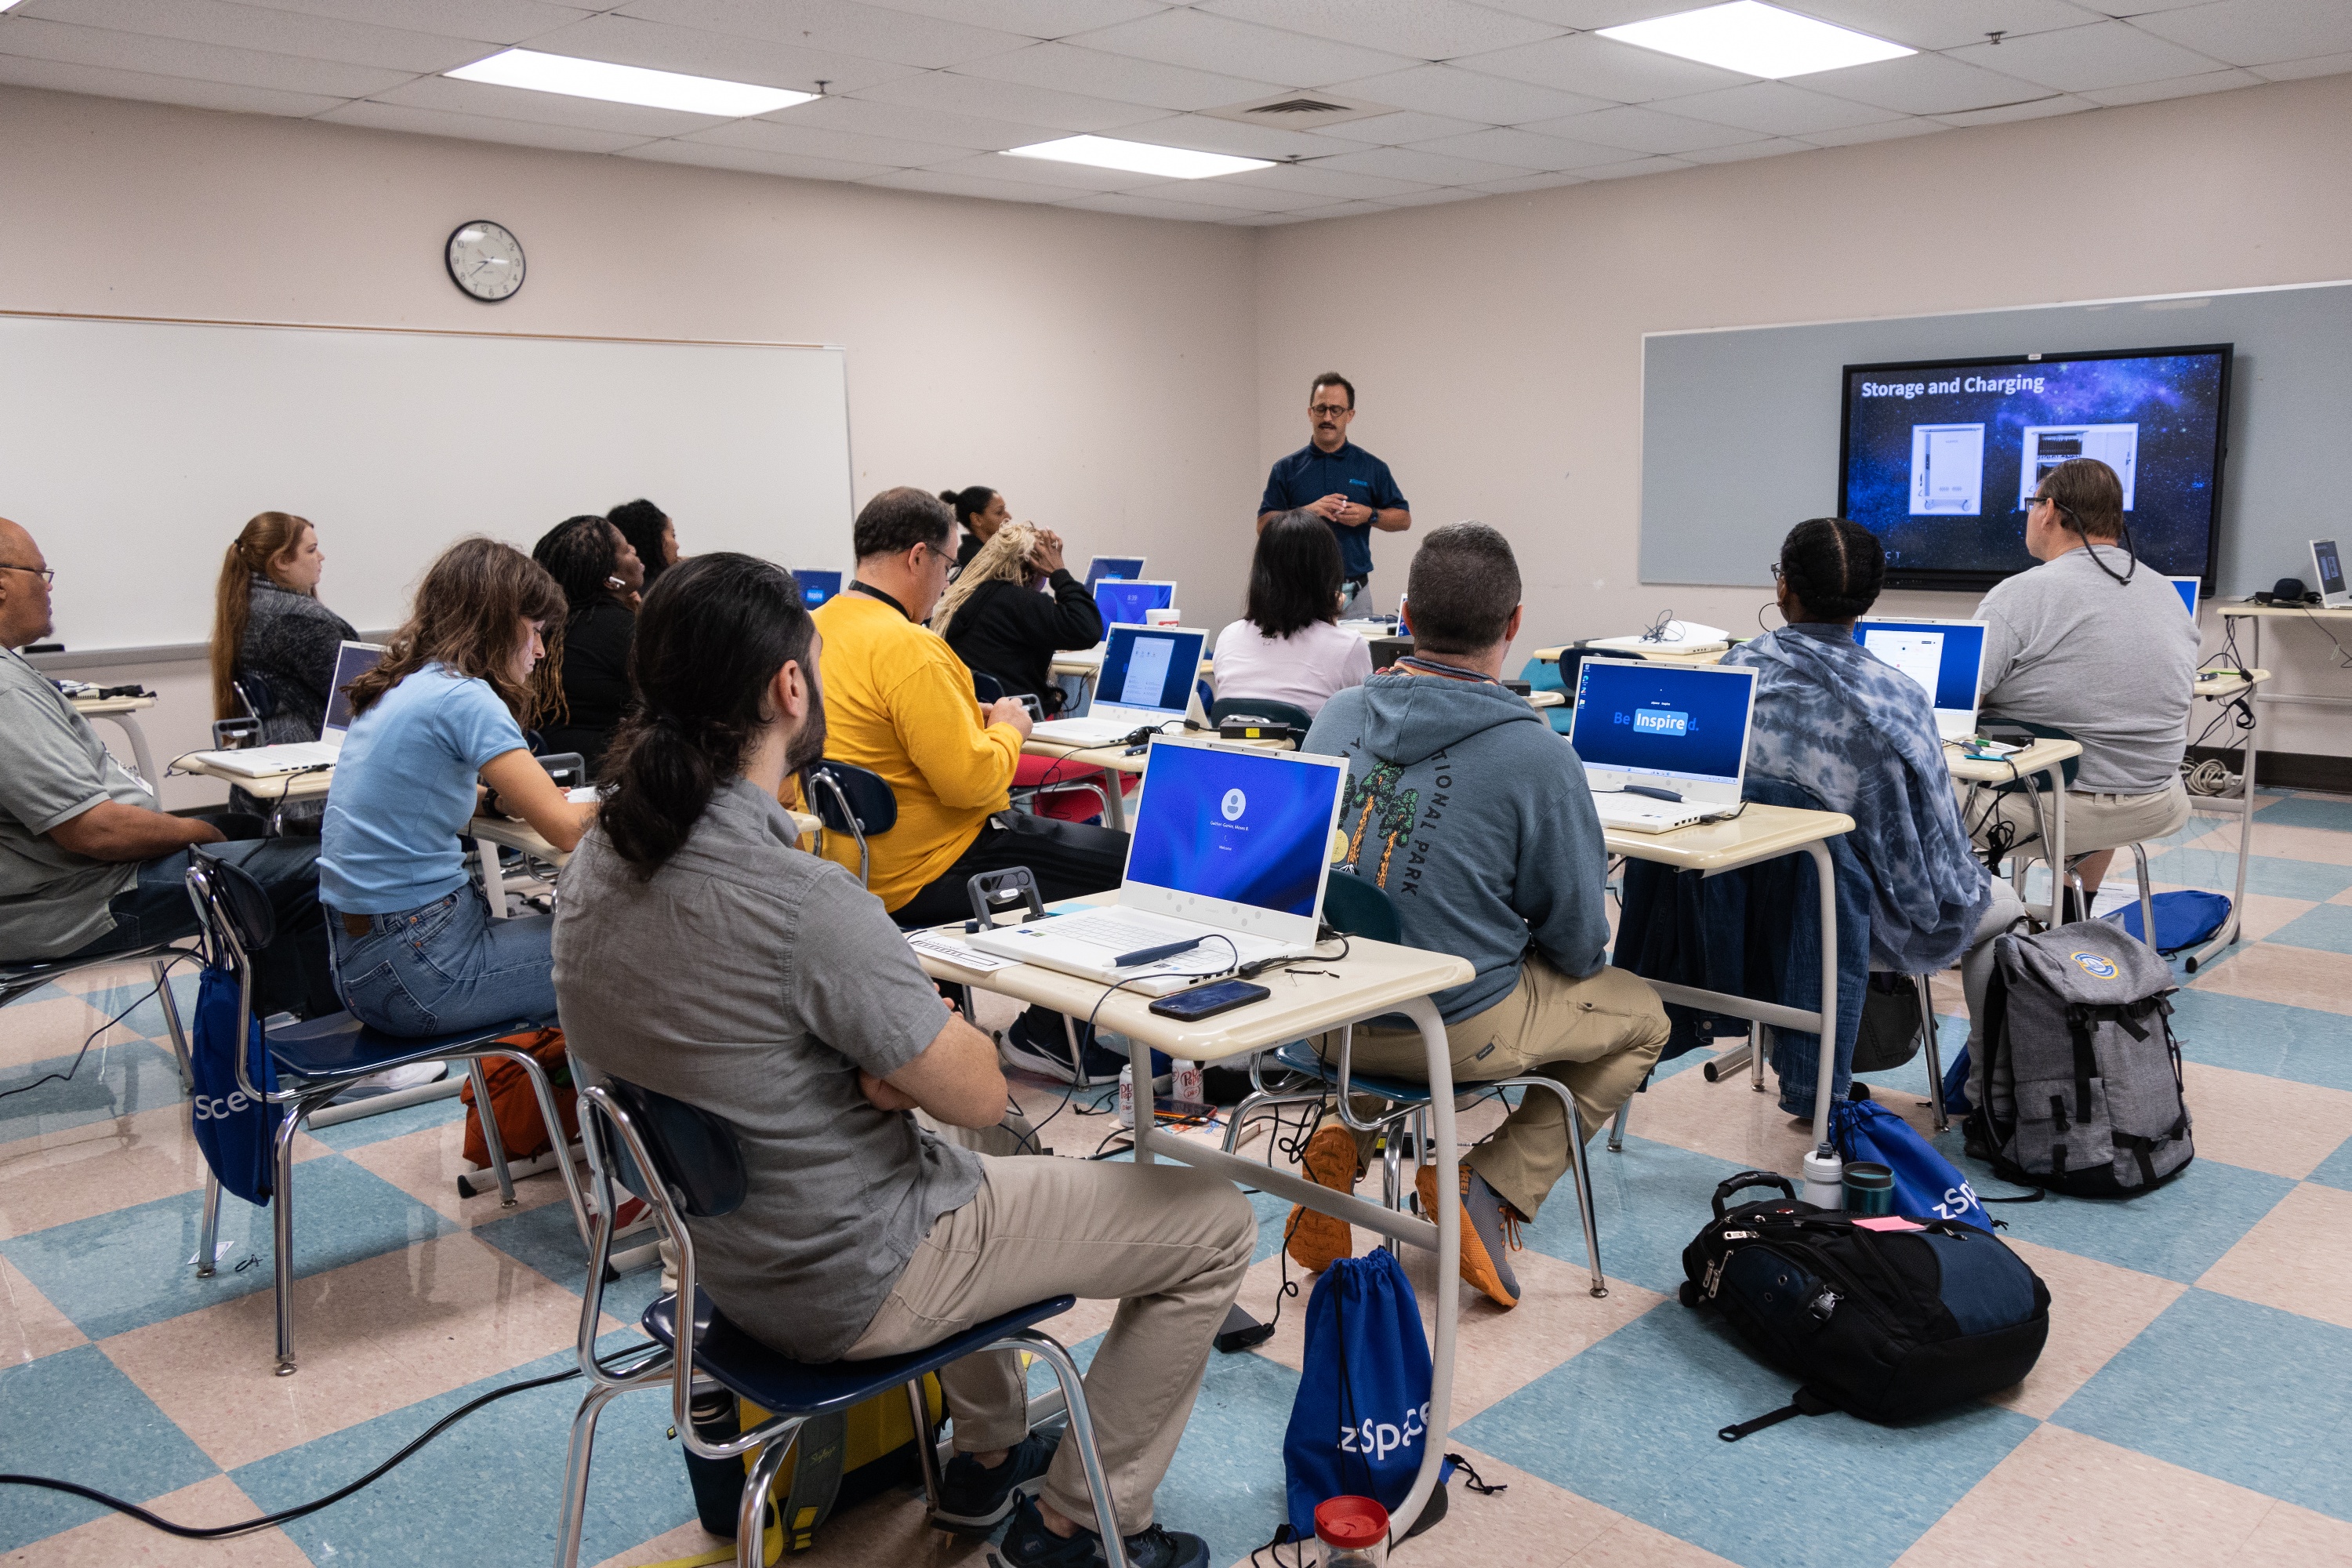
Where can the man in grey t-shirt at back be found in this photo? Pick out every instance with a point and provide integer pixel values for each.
(2093, 642)
(700, 954)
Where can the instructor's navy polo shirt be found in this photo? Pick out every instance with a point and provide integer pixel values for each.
(1310, 473)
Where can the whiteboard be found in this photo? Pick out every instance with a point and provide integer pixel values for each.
(134, 451)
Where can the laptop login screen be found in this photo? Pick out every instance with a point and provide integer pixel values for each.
(1943, 657)
(1229, 825)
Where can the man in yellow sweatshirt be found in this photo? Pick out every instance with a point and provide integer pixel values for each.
(900, 703)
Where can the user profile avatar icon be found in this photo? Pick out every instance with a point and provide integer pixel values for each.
(1235, 803)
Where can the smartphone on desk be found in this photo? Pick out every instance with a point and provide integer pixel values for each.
(1207, 1001)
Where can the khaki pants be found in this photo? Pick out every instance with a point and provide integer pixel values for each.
(1597, 1036)
(1168, 1243)
(2095, 820)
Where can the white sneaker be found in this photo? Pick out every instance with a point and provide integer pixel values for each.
(393, 1080)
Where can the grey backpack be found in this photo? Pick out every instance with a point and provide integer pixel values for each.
(2082, 1075)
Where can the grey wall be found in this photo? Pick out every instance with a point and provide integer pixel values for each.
(1739, 428)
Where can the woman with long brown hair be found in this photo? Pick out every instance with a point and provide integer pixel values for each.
(274, 643)
(416, 950)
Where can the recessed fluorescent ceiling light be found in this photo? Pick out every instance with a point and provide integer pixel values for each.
(1759, 40)
(627, 84)
(1138, 157)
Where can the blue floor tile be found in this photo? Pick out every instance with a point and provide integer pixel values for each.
(1631, 1424)
(1649, 1201)
(487, 1490)
(125, 1269)
(367, 1130)
(112, 1080)
(546, 1238)
(2266, 1038)
(2176, 1232)
(2248, 1394)
(74, 1416)
(2217, 869)
(2335, 1171)
(2327, 928)
(2302, 812)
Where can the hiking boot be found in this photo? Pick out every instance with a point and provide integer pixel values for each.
(1490, 1229)
(974, 1502)
(1315, 1241)
(1029, 1544)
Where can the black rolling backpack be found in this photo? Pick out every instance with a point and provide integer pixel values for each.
(1884, 1323)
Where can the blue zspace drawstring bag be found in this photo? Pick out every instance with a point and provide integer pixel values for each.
(1361, 1421)
(237, 1132)
(1926, 1185)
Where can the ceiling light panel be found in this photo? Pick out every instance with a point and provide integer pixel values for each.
(575, 77)
(1137, 157)
(1759, 40)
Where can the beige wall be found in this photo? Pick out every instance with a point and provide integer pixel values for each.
(1098, 370)
(1497, 344)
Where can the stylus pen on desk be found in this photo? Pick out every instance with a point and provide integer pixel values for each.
(1154, 954)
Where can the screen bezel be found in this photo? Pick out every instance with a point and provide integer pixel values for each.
(1939, 579)
(1276, 925)
(1977, 700)
(1095, 574)
(1200, 645)
(1602, 779)
(344, 652)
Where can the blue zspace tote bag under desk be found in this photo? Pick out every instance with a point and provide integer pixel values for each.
(1361, 1421)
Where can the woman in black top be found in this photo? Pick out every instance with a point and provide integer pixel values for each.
(999, 625)
(274, 640)
(979, 511)
(602, 577)
(650, 533)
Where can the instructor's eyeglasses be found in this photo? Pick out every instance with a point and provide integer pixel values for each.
(1328, 410)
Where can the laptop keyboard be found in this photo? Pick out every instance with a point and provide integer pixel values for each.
(1098, 931)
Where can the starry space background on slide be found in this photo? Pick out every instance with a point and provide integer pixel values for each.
(2175, 399)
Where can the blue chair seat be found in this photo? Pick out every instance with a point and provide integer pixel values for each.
(340, 1046)
(776, 1383)
(1299, 1056)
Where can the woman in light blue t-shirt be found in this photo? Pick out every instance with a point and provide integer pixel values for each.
(416, 950)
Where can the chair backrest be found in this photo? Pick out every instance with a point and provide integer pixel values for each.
(228, 898)
(986, 686)
(1360, 909)
(1289, 713)
(568, 769)
(695, 1156)
(1541, 675)
(857, 801)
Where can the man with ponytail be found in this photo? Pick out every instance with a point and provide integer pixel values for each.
(700, 954)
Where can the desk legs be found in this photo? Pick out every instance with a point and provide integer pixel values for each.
(494, 882)
(2229, 931)
(1114, 801)
(139, 753)
(1825, 876)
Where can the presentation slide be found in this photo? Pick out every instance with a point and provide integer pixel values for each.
(1653, 719)
(1941, 459)
(1227, 824)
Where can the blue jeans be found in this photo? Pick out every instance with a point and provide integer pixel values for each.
(446, 966)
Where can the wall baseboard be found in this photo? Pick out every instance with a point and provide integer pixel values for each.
(2286, 770)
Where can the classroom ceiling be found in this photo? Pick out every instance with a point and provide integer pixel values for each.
(1445, 100)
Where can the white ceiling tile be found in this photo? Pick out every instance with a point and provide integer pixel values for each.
(1643, 130)
(2178, 87)
(2296, 71)
(1067, 69)
(780, 135)
(1008, 100)
(1633, 168)
(1527, 150)
(1223, 192)
(1199, 41)
(491, 21)
(2258, 32)
(479, 128)
(941, 183)
(274, 32)
(1404, 126)
(2039, 109)
(1883, 130)
(1421, 168)
(1770, 147)
(101, 81)
(1151, 206)
(1203, 135)
(1924, 84)
(1437, 197)
(1417, 30)
(1331, 184)
(1777, 109)
(2075, 60)
(704, 154)
(1603, 69)
(658, 46)
(1467, 95)
(1586, 15)
(1949, 23)
(1031, 18)
(1526, 183)
(542, 108)
(45, 40)
(836, 27)
(868, 118)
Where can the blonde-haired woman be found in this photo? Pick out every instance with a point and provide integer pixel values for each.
(274, 639)
(1001, 625)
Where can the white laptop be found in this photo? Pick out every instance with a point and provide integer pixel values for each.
(352, 660)
(1128, 603)
(2187, 587)
(2327, 566)
(1945, 657)
(1664, 745)
(1147, 680)
(1231, 848)
(1125, 568)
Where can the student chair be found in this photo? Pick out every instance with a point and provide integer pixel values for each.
(1543, 675)
(324, 1057)
(18, 980)
(852, 800)
(1265, 708)
(986, 688)
(697, 1171)
(1360, 909)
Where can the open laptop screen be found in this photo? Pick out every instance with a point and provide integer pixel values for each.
(1128, 567)
(1121, 601)
(816, 586)
(1660, 720)
(1944, 657)
(1248, 827)
(1150, 668)
(352, 660)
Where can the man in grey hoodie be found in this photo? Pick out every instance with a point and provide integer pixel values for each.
(1477, 821)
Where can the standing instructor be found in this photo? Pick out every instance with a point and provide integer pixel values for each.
(1340, 482)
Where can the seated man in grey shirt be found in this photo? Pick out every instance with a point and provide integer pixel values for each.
(2093, 642)
(700, 954)
(88, 865)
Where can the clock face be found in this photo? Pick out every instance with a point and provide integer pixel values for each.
(485, 259)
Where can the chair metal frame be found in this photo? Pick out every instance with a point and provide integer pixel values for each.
(311, 1093)
(20, 979)
(773, 1438)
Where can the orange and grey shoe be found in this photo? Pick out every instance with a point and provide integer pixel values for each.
(1315, 1240)
(1490, 1230)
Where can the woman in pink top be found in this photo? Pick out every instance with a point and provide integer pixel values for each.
(1289, 647)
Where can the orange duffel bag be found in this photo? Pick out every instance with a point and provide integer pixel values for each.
(521, 1129)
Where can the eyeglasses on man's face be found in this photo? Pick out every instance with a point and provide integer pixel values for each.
(1328, 410)
(46, 573)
